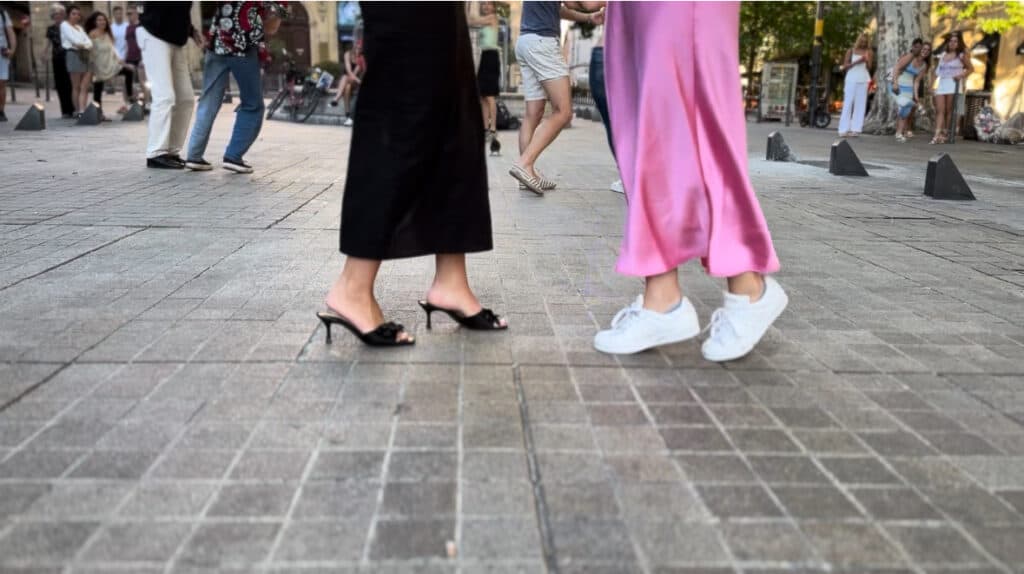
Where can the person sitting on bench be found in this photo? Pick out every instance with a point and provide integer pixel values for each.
(355, 66)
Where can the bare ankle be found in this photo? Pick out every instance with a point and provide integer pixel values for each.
(662, 304)
(750, 284)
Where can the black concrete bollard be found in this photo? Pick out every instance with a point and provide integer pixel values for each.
(91, 116)
(34, 119)
(134, 114)
(944, 181)
(843, 161)
(778, 149)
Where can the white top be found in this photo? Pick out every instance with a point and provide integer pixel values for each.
(73, 37)
(951, 67)
(120, 39)
(858, 73)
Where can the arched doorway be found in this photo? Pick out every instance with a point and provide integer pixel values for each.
(294, 32)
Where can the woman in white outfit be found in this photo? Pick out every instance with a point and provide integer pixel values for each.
(954, 65)
(857, 65)
(78, 45)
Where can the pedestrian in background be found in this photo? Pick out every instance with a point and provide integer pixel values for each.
(61, 79)
(857, 64)
(600, 93)
(954, 66)
(903, 98)
(906, 77)
(355, 67)
(417, 171)
(119, 29)
(77, 48)
(103, 63)
(484, 17)
(133, 55)
(235, 35)
(165, 29)
(681, 146)
(922, 87)
(8, 44)
(545, 78)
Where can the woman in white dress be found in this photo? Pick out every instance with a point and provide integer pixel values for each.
(857, 65)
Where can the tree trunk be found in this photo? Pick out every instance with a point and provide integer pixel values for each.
(898, 24)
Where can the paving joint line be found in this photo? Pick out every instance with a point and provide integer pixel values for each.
(548, 548)
(72, 260)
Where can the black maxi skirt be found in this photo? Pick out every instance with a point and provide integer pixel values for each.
(417, 174)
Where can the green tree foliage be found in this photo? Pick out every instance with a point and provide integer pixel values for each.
(785, 30)
(991, 17)
(844, 21)
(770, 29)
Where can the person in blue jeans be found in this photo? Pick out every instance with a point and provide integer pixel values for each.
(233, 49)
(601, 98)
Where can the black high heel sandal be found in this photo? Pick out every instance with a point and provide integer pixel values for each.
(495, 144)
(383, 336)
(485, 320)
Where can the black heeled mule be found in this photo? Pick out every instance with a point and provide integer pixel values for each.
(485, 320)
(383, 336)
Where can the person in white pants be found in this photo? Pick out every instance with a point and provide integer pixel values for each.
(165, 28)
(857, 65)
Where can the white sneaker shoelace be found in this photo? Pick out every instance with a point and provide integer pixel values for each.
(720, 321)
(627, 315)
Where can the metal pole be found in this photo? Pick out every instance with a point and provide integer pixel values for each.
(819, 32)
(952, 115)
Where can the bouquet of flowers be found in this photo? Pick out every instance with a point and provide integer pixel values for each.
(986, 124)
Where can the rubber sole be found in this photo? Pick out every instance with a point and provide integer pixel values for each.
(658, 342)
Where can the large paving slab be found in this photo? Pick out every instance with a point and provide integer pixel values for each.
(168, 403)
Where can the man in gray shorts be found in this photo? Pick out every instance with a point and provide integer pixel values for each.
(545, 77)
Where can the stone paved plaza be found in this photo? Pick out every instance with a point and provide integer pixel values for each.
(168, 403)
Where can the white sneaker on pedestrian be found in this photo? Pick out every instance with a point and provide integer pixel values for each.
(738, 325)
(348, 122)
(636, 329)
(616, 186)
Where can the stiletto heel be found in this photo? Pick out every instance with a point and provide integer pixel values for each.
(485, 320)
(327, 326)
(385, 335)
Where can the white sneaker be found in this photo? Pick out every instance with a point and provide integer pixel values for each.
(616, 186)
(738, 325)
(348, 122)
(636, 329)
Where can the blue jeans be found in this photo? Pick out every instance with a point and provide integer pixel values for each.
(598, 91)
(248, 118)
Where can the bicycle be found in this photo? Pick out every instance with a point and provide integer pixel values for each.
(302, 93)
(822, 117)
